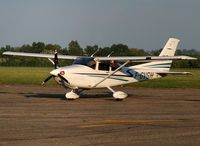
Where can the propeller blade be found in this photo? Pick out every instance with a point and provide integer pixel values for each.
(56, 59)
(47, 79)
(55, 62)
(63, 78)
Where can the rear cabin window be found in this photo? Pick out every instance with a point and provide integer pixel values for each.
(106, 66)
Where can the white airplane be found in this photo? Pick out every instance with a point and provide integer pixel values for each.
(103, 72)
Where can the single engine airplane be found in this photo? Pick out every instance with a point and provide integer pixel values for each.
(104, 72)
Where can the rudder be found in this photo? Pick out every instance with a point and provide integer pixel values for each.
(170, 47)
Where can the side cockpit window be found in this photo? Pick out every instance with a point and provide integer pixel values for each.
(87, 61)
(90, 62)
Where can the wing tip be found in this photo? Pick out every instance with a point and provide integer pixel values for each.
(7, 53)
(188, 58)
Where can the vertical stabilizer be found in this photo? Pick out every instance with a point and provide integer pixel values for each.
(170, 47)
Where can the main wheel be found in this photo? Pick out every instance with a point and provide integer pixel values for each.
(119, 95)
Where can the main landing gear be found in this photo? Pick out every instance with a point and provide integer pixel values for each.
(118, 95)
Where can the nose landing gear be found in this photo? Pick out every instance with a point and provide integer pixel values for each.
(74, 94)
(71, 95)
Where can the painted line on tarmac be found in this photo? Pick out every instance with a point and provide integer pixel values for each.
(183, 122)
(99, 125)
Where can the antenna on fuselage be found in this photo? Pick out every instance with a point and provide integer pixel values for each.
(110, 54)
(95, 52)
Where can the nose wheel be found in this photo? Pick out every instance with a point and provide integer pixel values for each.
(74, 94)
(71, 95)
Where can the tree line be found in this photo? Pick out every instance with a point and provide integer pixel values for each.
(75, 49)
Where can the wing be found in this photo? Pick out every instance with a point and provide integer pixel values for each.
(143, 58)
(40, 55)
(123, 58)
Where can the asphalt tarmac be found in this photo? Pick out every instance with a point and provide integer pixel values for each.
(34, 115)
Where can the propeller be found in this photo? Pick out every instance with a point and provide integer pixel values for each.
(48, 78)
(55, 61)
(63, 78)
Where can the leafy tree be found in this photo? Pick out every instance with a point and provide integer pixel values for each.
(53, 47)
(155, 52)
(104, 51)
(37, 47)
(120, 50)
(24, 48)
(138, 52)
(65, 51)
(74, 48)
(89, 50)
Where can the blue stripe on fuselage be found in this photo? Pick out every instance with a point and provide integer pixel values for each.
(103, 74)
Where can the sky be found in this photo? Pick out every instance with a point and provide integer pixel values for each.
(144, 24)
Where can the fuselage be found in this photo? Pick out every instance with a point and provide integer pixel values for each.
(82, 76)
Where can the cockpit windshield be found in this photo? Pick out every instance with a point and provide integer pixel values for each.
(87, 61)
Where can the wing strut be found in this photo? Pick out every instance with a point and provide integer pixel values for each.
(116, 70)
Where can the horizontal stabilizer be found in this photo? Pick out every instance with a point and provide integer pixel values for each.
(175, 73)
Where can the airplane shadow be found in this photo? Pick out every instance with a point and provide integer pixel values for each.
(102, 95)
(61, 96)
(193, 100)
(3, 92)
(106, 95)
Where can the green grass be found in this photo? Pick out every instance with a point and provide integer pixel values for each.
(35, 75)
(24, 75)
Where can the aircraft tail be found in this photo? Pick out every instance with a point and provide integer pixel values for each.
(168, 50)
(170, 47)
